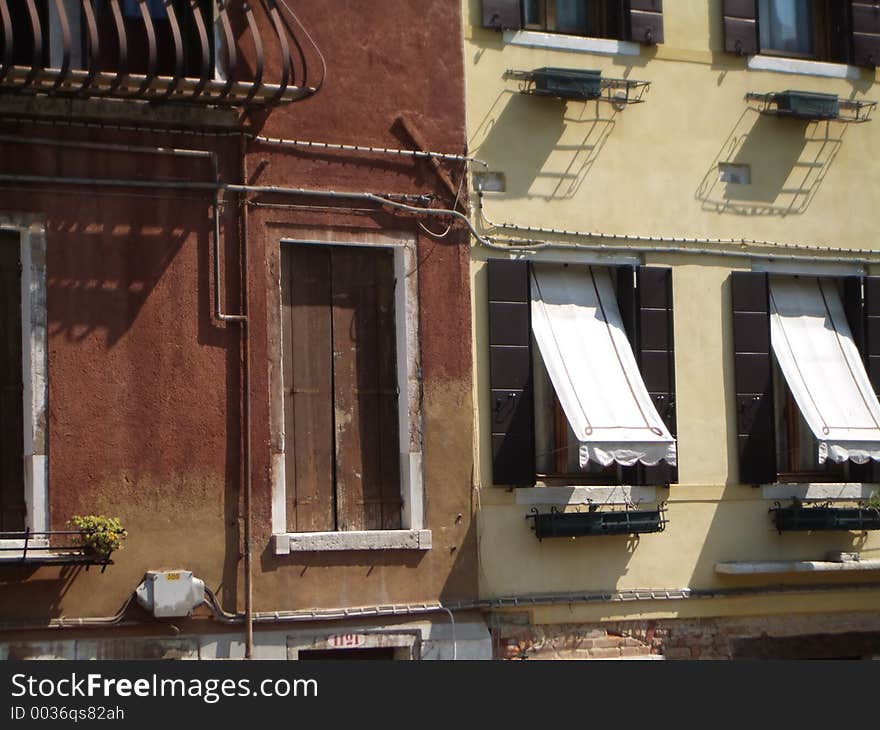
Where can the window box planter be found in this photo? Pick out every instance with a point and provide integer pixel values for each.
(578, 524)
(807, 105)
(567, 83)
(798, 518)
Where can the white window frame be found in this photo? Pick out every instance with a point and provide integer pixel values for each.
(32, 235)
(413, 535)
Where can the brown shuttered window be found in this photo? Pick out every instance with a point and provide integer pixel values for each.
(510, 373)
(637, 20)
(521, 395)
(340, 388)
(822, 30)
(753, 375)
(865, 33)
(12, 501)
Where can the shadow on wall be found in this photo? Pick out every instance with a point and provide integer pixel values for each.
(554, 143)
(21, 591)
(102, 271)
(741, 529)
(788, 160)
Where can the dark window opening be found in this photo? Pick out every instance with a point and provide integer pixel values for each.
(557, 460)
(797, 449)
(809, 29)
(12, 501)
(380, 653)
(594, 18)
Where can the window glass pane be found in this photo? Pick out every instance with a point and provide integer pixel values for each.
(571, 16)
(532, 13)
(786, 25)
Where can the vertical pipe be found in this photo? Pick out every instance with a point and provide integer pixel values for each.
(246, 334)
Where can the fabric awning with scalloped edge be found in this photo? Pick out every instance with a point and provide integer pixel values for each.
(821, 364)
(579, 331)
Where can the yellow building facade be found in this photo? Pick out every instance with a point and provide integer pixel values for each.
(714, 171)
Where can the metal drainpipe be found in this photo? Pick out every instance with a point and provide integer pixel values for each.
(246, 458)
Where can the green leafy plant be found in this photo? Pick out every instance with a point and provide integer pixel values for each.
(98, 534)
(874, 500)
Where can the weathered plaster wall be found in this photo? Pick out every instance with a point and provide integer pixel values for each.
(651, 169)
(144, 394)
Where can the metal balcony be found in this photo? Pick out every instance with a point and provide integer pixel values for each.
(226, 53)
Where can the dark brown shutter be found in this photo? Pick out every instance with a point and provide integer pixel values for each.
(656, 356)
(12, 504)
(741, 26)
(645, 21)
(629, 308)
(365, 389)
(853, 305)
(502, 14)
(871, 351)
(866, 33)
(753, 375)
(510, 373)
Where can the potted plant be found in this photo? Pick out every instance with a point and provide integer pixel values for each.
(98, 535)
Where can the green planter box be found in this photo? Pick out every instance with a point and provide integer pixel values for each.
(805, 519)
(807, 105)
(580, 524)
(567, 83)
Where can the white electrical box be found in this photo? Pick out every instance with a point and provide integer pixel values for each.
(170, 593)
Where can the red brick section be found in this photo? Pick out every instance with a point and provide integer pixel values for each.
(850, 635)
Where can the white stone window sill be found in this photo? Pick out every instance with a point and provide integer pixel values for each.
(573, 495)
(578, 44)
(822, 492)
(300, 542)
(780, 64)
(795, 566)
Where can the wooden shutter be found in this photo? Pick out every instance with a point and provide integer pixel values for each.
(308, 388)
(365, 389)
(510, 373)
(645, 19)
(868, 341)
(340, 388)
(866, 33)
(502, 14)
(12, 504)
(741, 26)
(853, 305)
(656, 356)
(753, 375)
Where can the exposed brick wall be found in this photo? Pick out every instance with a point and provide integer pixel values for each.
(854, 634)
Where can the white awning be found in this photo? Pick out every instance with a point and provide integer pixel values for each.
(580, 334)
(815, 350)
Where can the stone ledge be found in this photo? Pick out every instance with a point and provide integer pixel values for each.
(298, 542)
(794, 566)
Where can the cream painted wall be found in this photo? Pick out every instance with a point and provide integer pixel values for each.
(652, 169)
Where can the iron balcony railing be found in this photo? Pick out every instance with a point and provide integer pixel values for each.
(50, 547)
(209, 52)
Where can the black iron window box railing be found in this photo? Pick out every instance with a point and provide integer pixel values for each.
(812, 106)
(578, 85)
(51, 547)
(557, 523)
(800, 518)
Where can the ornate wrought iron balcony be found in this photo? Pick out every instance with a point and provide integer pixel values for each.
(209, 52)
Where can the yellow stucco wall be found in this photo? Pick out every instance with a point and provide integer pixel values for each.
(651, 169)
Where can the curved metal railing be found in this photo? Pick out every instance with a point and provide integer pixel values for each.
(212, 52)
